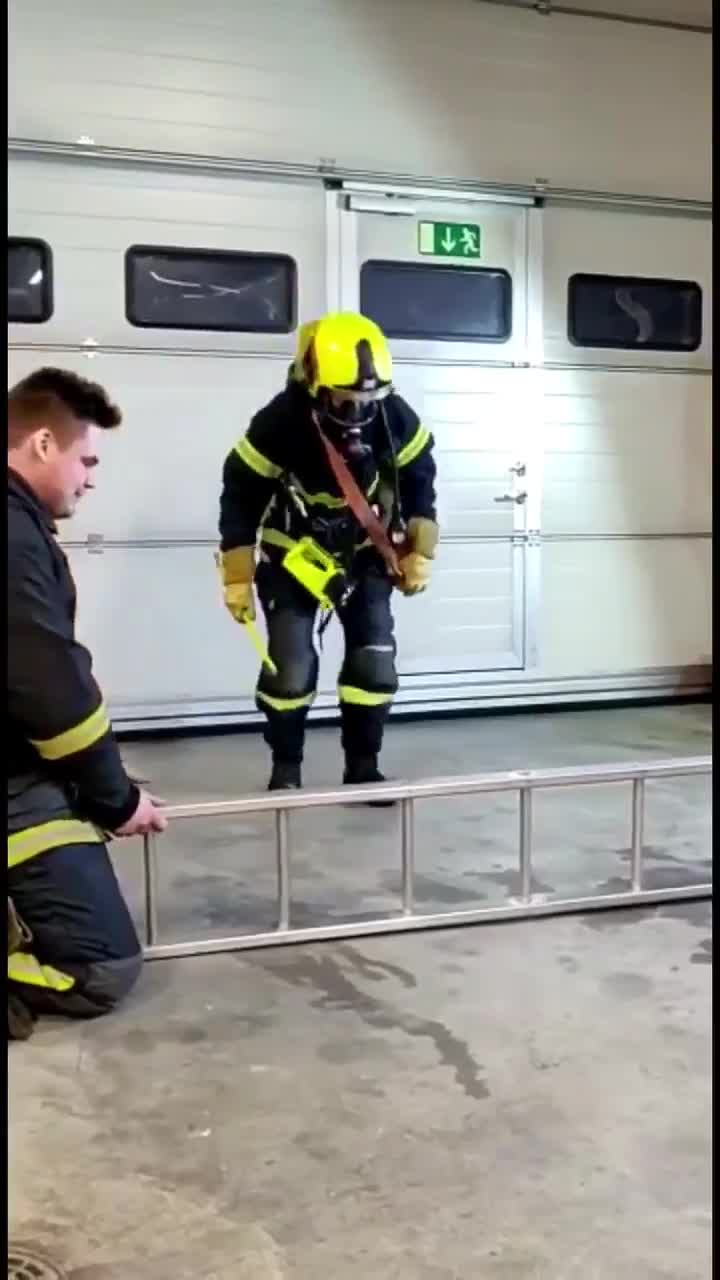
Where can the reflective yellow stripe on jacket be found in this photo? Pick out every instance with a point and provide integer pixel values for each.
(414, 447)
(78, 738)
(328, 499)
(27, 844)
(275, 538)
(257, 461)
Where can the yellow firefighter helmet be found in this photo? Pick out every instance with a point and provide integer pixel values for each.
(304, 338)
(347, 365)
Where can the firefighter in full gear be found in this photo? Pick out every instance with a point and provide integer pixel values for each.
(334, 483)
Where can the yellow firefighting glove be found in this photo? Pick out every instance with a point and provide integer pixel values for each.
(237, 569)
(415, 565)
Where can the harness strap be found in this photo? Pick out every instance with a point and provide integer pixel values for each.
(359, 505)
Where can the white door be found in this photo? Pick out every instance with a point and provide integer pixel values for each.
(446, 280)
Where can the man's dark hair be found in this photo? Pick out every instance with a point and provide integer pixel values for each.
(60, 399)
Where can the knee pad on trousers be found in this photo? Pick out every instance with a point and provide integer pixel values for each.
(371, 668)
(97, 988)
(291, 649)
(108, 982)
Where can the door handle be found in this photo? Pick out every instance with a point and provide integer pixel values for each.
(518, 469)
(517, 498)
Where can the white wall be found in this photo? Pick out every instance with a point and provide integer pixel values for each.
(458, 89)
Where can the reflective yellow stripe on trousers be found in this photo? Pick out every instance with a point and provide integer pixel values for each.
(285, 704)
(362, 698)
(27, 844)
(26, 968)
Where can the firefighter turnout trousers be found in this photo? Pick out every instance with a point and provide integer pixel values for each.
(367, 681)
(84, 954)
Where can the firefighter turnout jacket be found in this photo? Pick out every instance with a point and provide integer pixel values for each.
(66, 780)
(277, 478)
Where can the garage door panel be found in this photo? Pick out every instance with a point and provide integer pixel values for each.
(173, 645)
(466, 620)
(161, 473)
(393, 239)
(626, 453)
(479, 412)
(155, 623)
(631, 245)
(627, 605)
(467, 508)
(91, 214)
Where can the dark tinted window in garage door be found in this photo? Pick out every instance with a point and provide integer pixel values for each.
(170, 288)
(30, 286)
(632, 313)
(437, 303)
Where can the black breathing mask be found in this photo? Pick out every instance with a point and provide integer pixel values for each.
(346, 417)
(348, 430)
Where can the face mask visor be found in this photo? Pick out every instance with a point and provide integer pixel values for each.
(352, 410)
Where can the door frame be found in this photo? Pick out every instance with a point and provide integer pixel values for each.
(342, 276)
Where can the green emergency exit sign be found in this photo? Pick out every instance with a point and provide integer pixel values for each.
(449, 239)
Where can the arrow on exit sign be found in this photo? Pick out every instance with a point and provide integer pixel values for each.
(449, 239)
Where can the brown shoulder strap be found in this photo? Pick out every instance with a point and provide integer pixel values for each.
(359, 505)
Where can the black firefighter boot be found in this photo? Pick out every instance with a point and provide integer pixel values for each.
(21, 1022)
(362, 770)
(285, 776)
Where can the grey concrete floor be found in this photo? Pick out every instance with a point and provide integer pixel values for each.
(519, 1102)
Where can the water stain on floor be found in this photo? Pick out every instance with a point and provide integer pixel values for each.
(337, 991)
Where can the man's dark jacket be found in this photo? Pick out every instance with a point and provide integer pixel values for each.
(66, 780)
